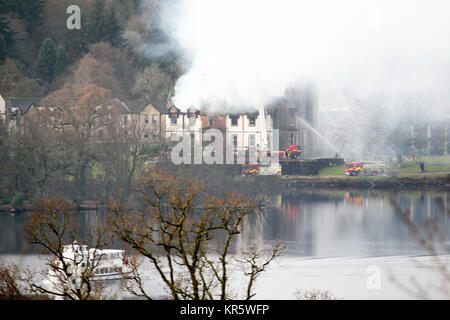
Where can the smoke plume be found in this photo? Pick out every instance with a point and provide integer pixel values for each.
(244, 53)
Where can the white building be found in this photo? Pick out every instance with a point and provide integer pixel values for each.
(250, 130)
(177, 123)
(242, 131)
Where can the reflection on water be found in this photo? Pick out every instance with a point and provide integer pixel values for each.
(311, 223)
(350, 223)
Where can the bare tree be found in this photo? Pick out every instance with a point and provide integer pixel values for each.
(187, 236)
(51, 226)
(80, 116)
(124, 150)
(153, 84)
(11, 286)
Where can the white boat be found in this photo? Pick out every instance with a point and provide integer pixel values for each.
(93, 264)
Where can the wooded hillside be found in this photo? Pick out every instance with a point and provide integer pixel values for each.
(118, 47)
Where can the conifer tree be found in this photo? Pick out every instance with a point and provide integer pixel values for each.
(61, 60)
(29, 12)
(103, 25)
(45, 64)
(6, 38)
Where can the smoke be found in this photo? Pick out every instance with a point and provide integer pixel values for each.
(244, 53)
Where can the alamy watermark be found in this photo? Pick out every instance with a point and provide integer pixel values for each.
(211, 147)
(374, 280)
(73, 22)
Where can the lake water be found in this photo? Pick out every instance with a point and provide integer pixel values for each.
(312, 223)
(322, 230)
(351, 223)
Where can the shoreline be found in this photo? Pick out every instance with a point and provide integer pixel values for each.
(417, 182)
(298, 183)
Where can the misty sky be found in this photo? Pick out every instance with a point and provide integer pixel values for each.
(245, 52)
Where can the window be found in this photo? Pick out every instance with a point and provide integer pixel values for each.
(234, 121)
(154, 119)
(251, 140)
(146, 135)
(173, 120)
(125, 119)
(292, 117)
(192, 121)
(146, 118)
(234, 137)
(292, 139)
(252, 122)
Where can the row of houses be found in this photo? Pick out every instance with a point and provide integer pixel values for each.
(242, 130)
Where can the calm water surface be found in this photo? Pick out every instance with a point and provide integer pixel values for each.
(312, 223)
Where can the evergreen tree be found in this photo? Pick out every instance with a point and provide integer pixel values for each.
(6, 38)
(45, 63)
(62, 60)
(29, 12)
(5, 6)
(103, 25)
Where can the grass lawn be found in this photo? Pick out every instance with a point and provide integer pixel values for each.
(332, 171)
(432, 164)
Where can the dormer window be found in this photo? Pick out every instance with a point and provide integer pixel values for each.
(252, 121)
(234, 120)
(173, 113)
(192, 120)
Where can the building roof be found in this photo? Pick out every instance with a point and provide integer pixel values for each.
(161, 107)
(138, 105)
(219, 122)
(118, 103)
(205, 121)
(22, 104)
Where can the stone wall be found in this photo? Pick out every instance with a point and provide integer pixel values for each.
(308, 167)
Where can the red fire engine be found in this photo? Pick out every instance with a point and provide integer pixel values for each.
(250, 169)
(353, 168)
(293, 151)
(368, 168)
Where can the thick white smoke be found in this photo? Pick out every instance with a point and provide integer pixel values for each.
(242, 53)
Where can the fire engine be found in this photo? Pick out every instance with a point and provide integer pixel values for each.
(368, 168)
(250, 169)
(353, 168)
(293, 151)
